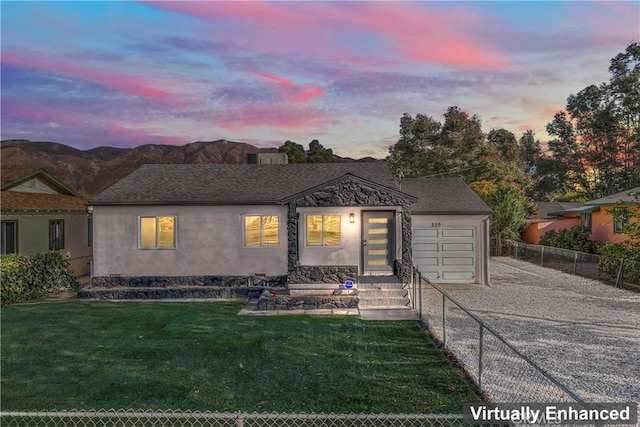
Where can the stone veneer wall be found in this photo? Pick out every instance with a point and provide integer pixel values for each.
(323, 274)
(350, 192)
(177, 281)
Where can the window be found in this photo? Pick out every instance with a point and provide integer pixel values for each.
(56, 234)
(586, 220)
(324, 230)
(620, 219)
(157, 232)
(261, 231)
(90, 231)
(9, 237)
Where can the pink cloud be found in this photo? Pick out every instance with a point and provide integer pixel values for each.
(415, 31)
(279, 117)
(291, 91)
(127, 84)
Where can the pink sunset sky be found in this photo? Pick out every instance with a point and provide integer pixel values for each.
(127, 73)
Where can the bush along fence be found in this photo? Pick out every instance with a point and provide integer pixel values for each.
(499, 371)
(618, 270)
(25, 277)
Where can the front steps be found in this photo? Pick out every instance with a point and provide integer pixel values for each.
(384, 298)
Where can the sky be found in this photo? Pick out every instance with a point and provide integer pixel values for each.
(127, 73)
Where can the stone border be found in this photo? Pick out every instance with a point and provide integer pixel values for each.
(182, 292)
(288, 302)
(179, 281)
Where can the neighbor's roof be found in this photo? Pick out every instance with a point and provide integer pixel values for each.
(14, 201)
(35, 202)
(11, 177)
(233, 184)
(629, 196)
(443, 196)
(548, 210)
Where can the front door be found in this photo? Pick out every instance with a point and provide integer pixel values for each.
(377, 241)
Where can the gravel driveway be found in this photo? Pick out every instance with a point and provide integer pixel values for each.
(583, 332)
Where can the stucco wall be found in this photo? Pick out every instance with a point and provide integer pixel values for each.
(209, 241)
(482, 238)
(602, 227)
(536, 230)
(33, 237)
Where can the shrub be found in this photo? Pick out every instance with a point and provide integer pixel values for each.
(610, 256)
(26, 277)
(575, 238)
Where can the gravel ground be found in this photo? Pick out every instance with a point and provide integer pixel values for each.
(583, 332)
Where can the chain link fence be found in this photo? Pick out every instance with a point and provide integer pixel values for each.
(124, 418)
(568, 261)
(499, 370)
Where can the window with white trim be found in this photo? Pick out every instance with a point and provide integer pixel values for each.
(261, 231)
(324, 230)
(157, 232)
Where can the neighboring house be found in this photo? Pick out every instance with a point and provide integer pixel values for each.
(598, 215)
(239, 225)
(545, 221)
(41, 213)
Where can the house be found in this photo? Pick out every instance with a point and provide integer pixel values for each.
(598, 215)
(545, 221)
(41, 213)
(239, 225)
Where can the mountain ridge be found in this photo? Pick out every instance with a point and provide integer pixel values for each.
(91, 171)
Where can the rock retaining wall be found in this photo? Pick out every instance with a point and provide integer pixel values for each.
(286, 302)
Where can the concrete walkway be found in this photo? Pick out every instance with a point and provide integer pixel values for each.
(251, 309)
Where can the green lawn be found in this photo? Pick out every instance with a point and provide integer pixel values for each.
(202, 356)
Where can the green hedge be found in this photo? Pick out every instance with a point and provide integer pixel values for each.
(24, 277)
(612, 253)
(576, 238)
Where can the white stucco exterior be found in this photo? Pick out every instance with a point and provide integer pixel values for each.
(209, 241)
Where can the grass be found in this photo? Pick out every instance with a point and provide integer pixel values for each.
(202, 356)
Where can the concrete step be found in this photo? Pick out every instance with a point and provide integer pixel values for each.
(383, 302)
(382, 293)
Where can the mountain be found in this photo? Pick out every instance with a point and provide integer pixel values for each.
(91, 171)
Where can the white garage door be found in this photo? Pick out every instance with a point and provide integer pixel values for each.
(446, 255)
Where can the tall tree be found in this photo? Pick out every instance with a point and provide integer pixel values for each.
(318, 154)
(295, 152)
(530, 150)
(596, 149)
(505, 142)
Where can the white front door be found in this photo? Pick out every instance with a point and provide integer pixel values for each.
(377, 241)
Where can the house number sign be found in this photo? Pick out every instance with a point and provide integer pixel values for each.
(436, 224)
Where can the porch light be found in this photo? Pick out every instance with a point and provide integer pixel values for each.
(352, 218)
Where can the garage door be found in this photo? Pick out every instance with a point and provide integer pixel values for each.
(446, 255)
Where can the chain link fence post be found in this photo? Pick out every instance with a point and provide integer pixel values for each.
(480, 352)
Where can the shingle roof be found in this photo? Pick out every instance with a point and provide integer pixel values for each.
(15, 201)
(546, 209)
(232, 184)
(443, 196)
(624, 196)
(8, 175)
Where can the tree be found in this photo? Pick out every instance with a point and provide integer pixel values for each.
(429, 148)
(417, 151)
(597, 139)
(295, 152)
(511, 209)
(530, 150)
(505, 142)
(318, 154)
